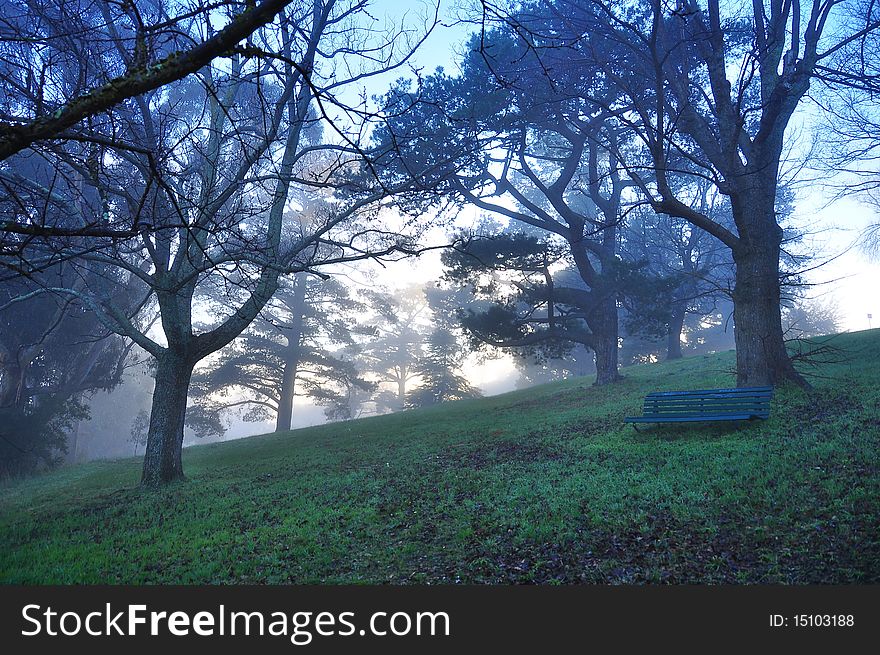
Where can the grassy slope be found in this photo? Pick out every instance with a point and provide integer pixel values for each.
(541, 485)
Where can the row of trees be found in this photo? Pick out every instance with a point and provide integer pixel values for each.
(354, 352)
(632, 151)
(568, 114)
(350, 352)
(357, 351)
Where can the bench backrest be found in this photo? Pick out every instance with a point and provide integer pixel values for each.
(754, 401)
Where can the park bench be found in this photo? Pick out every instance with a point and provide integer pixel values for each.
(705, 405)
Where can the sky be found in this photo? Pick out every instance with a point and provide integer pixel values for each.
(851, 279)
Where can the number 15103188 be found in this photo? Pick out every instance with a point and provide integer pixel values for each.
(812, 621)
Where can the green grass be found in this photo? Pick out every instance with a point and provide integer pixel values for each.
(542, 485)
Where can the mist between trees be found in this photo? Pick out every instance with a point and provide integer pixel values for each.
(191, 192)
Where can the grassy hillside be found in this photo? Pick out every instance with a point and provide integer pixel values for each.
(542, 485)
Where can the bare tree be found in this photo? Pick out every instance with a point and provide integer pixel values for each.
(153, 46)
(239, 177)
(850, 98)
(725, 89)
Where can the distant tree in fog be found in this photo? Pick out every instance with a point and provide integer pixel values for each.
(440, 379)
(399, 325)
(803, 318)
(53, 354)
(293, 348)
(697, 269)
(441, 368)
(139, 427)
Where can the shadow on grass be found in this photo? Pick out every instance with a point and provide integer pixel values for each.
(694, 431)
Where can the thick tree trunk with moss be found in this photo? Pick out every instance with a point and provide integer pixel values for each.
(606, 360)
(761, 357)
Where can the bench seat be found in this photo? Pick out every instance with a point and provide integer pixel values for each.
(740, 404)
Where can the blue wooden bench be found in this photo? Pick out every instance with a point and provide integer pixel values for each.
(739, 404)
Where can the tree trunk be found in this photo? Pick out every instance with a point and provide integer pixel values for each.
(401, 388)
(73, 443)
(604, 326)
(673, 340)
(284, 417)
(162, 458)
(296, 303)
(761, 358)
